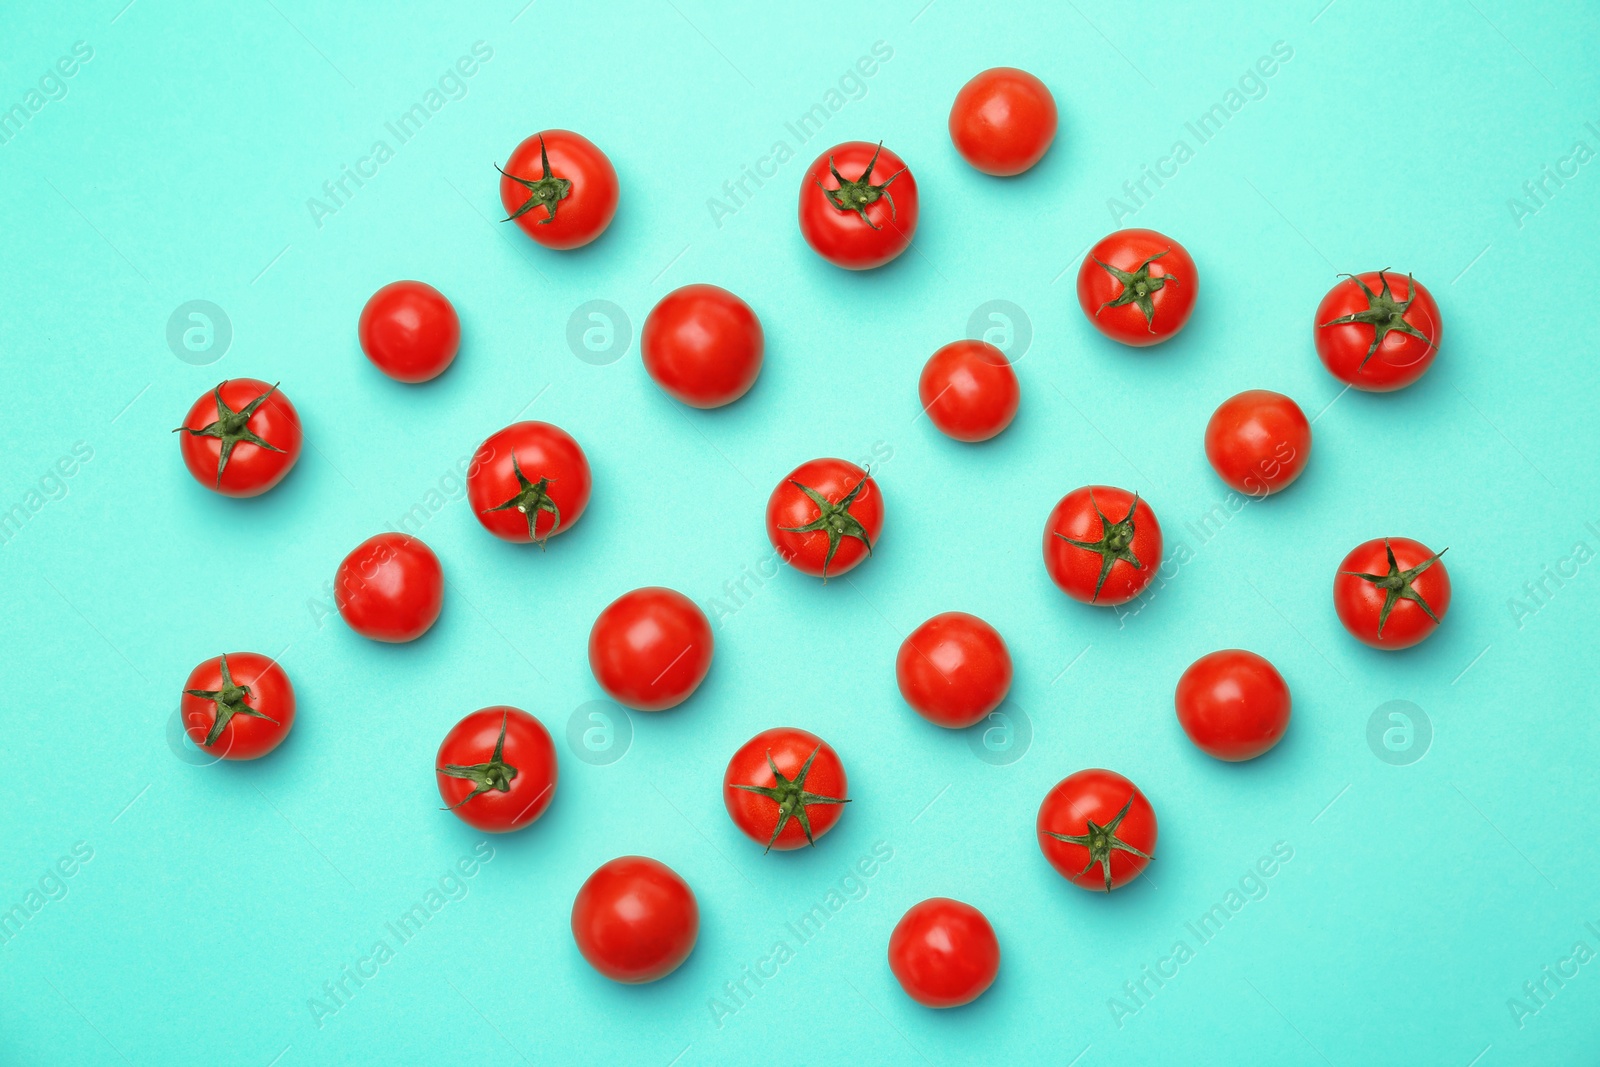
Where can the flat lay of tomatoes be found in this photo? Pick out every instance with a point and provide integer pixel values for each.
(825, 517)
(650, 648)
(1258, 441)
(1391, 592)
(497, 769)
(239, 706)
(858, 205)
(1138, 286)
(1097, 829)
(944, 953)
(1003, 121)
(241, 438)
(559, 189)
(1102, 545)
(528, 482)
(785, 788)
(409, 331)
(953, 670)
(1233, 704)
(702, 345)
(1378, 331)
(390, 588)
(969, 390)
(635, 920)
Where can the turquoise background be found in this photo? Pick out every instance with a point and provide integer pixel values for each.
(1420, 896)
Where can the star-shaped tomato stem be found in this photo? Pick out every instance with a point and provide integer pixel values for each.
(494, 775)
(791, 796)
(232, 427)
(547, 189)
(833, 519)
(530, 499)
(1384, 314)
(1116, 541)
(855, 195)
(228, 701)
(1101, 841)
(1396, 585)
(1137, 285)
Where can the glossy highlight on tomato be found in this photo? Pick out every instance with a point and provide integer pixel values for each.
(1138, 287)
(825, 517)
(650, 648)
(1102, 545)
(969, 390)
(1003, 121)
(528, 482)
(1391, 592)
(238, 706)
(1258, 442)
(1378, 331)
(241, 438)
(1233, 704)
(559, 189)
(635, 920)
(858, 205)
(497, 769)
(953, 670)
(1097, 830)
(702, 345)
(390, 588)
(784, 788)
(944, 953)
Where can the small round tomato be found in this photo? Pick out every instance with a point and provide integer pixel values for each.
(650, 649)
(1138, 286)
(824, 518)
(1258, 441)
(390, 588)
(1003, 121)
(1376, 332)
(969, 390)
(241, 438)
(497, 769)
(559, 189)
(944, 953)
(953, 670)
(528, 482)
(848, 213)
(785, 788)
(702, 345)
(238, 706)
(1233, 704)
(1102, 545)
(1097, 829)
(409, 331)
(1391, 592)
(635, 920)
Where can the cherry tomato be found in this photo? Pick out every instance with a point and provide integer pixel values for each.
(1102, 545)
(785, 788)
(825, 517)
(858, 205)
(1258, 441)
(409, 331)
(390, 588)
(1097, 830)
(1138, 286)
(953, 670)
(635, 920)
(944, 953)
(969, 390)
(650, 649)
(238, 706)
(497, 769)
(528, 482)
(1233, 704)
(702, 345)
(1391, 592)
(1378, 331)
(1003, 120)
(241, 438)
(559, 189)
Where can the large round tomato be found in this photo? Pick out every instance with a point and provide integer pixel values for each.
(1138, 286)
(237, 706)
(1003, 120)
(241, 438)
(650, 648)
(1377, 331)
(409, 331)
(635, 920)
(785, 788)
(1097, 829)
(1233, 704)
(1102, 545)
(825, 517)
(1258, 441)
(559, 188)
(848, 211)
(497, 769)
(969, 390)
(528, 482)
(702, 345)
(390, 588)
(944, 953)
(1391, 592)
(954, 669)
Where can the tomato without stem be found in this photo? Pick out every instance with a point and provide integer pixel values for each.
(825, 517)
(497, 769)
(390, 588)
(1391, 592)
(241, 438)
(785, 788)
(1097, 829)
(1378, 331)
(1258, 441)
(239, 706)
(409, 331)
(559, 189)
(703, 345)
(1233, 704)
(1102, 545)
(969, 390)
(528, 482)
(1138, 286)
(650, 649)
(954, 669)
(635, 920)
(858, 205)
(1003, 121)
(944, 953)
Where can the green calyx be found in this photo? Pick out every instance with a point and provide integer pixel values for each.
(1137, 286)
(1101, 841)
(855, 195)
(228, 701)
(833, 519)
(791, 797)
(1116, 540)
(1396, 585)
(232, 427)
(531, 498)
(1384, 314)
(493, 776)
(546, 190)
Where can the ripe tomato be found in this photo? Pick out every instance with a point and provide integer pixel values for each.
(241, 438)
(1378, 340)
(635, 920)
(969, 390)
(953, 670)
(1102, 545)
(1003, 120)
(1391, 592)
(559, 188)
(1258, 441)
(944, 953)
(238, 706)
(497, 769)
(1097, 830)
(1233, 704)
(650, 649)
(1138, 286)
(528, 482)
(390, 588)
(785, 788)
(824, 517)
(702, 345)
(848, 213)
(409, 331)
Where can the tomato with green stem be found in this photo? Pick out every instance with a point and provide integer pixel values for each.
(1097, 829)
(241, 438)
(528, 482)
(1102, 545)
(849, 214)
(1138, 287)
(559, 189)
(784, 788)
(1378, 333)
(238, 706)
(825, 517)
(497, 769)
(1391, 592)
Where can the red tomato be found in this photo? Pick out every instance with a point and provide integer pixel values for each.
(954, 669)
(702, 345)
(944, 953)
(528, 482)
(1003, 120)
(1376, 332)
(409, 331)
(650, 649)
(635, 920)
(969, 390)
(1233, 704)
(559, 188)
(390, 588)
(1391, 592)
(497, 769)
(1102, 545)
(1258, 441)
(785, 788)
(1097, 830)
(1138, 286)
(824, 518)
(238, 706)
(848, 213)
(241, 438)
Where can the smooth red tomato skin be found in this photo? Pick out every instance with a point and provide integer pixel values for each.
(1233, 704)
(1401, 359)
(1077, 570)
(409, 331)
(969, 390)
(1359, 603)
(843, 238)
(954, 670)
(789, 507)
(590, 204)
(650, 648)
(944, 953)
(789, 747)
(1171, 305)
(251, 470)
(527, 747)
(390, 588)
(1098, 795)
(244, 737)
(541, 450)
(1258, 441)
(1003, 120)
(635, 920)
(702, 345)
